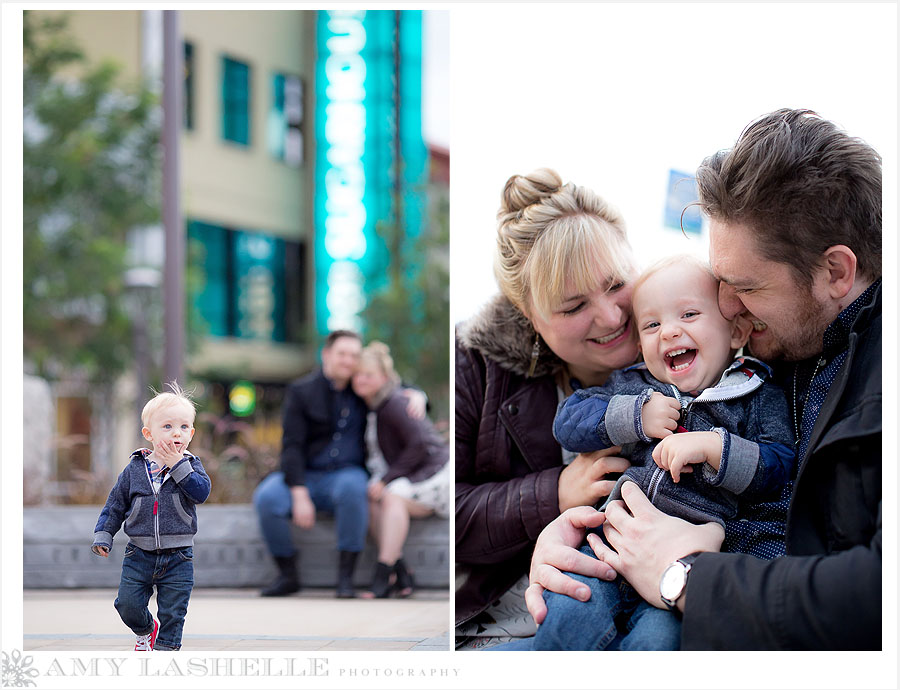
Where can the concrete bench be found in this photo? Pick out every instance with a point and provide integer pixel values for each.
(228, 550)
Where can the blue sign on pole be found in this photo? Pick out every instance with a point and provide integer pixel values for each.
(681, 192)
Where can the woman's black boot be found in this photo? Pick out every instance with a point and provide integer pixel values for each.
(381, 584)
(404, 584)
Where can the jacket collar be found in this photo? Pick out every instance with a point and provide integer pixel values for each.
(869, 311)
(382, 395)
(142, 453)
(504, 335)
(744, 375)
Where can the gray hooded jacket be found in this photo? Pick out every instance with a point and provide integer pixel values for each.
(163, 518)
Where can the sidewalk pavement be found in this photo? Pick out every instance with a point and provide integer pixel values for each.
(241, 620)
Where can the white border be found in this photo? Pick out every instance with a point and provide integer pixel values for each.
(811, 670)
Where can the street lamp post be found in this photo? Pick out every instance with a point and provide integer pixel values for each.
(173, 284)
(141, 282)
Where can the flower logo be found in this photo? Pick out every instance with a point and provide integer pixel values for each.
(16, 671)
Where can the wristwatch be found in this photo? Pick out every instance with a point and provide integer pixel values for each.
(674, 580)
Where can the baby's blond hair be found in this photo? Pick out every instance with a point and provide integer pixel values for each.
(177, 396)
(681, 260)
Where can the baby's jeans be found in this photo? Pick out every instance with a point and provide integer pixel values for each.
(172, 571)
(614, 618)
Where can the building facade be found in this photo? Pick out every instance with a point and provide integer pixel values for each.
(301, 132)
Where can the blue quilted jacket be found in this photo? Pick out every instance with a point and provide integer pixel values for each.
(751, 415)
(163, 518)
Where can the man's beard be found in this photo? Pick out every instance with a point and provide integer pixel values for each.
(803, 342)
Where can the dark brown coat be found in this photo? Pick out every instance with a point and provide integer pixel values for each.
(411, 447)
(507, 461)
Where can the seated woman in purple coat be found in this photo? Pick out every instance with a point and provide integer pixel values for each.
(413, 480)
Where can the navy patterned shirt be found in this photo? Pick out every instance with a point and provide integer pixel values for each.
(813, 378)
(346, 446)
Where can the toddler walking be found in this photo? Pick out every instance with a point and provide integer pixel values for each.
(155, 496)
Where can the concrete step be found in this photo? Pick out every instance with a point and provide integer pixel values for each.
(228, 550)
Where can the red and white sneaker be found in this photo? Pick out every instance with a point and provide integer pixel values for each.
(144, 643)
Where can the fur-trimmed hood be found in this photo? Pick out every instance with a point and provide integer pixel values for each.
(503, 334)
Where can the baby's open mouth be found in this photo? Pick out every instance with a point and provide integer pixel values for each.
(680, 359)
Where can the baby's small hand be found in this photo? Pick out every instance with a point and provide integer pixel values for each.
(167, 452)
(660, 415)
(678, 452)
(100, 550)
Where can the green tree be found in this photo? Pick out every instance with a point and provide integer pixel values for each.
(91, 175)
(411, 313)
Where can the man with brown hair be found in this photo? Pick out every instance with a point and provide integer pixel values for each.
(322, 466)
(795, 240)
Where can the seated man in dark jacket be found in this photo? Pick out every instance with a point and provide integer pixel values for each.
(322, 466)
(795, 240)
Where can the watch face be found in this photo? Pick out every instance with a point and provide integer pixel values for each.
(672, 582)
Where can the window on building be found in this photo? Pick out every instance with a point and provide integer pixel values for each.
(188, 85)
(250, 284)
(209, 254)
(285, 124)
(235, 101)
(296, 293)
(259, 286)
(73, 451)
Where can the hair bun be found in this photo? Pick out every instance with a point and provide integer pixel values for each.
(521, 191)
(380, 353)
(379, 348)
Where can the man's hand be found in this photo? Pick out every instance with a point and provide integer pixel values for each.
(677, 452)
(100, 550)
(556, 550)
(584, 481)
(303, 512)
(646, 541)
(416, 403)
(660, 415)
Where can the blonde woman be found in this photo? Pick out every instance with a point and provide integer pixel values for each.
(416, 479)
(564, 267)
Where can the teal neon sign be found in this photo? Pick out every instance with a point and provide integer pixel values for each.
(342, 223)
(357, 118)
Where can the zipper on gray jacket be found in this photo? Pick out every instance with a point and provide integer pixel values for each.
(155, 506)
(684, 408)
(655, 480)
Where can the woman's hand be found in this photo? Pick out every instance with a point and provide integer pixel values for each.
(375, 490)
(584, 481)
(556, 550)
(646, 541)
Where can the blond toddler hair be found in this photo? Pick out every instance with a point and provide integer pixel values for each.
(177, 396)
